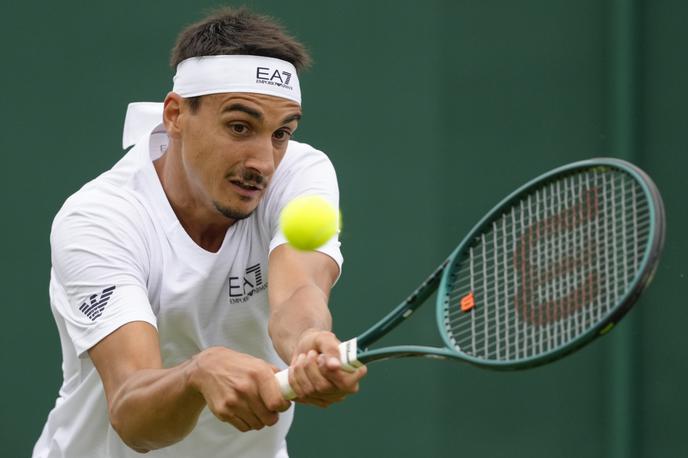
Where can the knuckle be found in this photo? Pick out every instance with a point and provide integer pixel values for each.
(230, 401)
(224, 415)
(284, 406)
(242, 386)
(252, 372)
(323, 386)
(241, 426)
(277, 405)
(307, 391)
(271, 419)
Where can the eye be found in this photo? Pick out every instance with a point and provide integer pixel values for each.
(239, 129)
(282, 135)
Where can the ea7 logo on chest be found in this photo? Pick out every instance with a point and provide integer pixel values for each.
(273, 77)
(242, 288)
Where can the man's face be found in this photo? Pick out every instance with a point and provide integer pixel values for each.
(231, 146)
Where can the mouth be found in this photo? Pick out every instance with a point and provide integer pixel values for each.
(245, 188)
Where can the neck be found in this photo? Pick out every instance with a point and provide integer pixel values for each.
(201, 221)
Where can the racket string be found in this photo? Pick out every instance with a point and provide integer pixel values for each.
(495, 271)
(550, 268)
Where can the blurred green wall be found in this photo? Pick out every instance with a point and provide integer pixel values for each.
(431, 111)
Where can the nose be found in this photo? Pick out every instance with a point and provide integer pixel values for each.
(261, 157)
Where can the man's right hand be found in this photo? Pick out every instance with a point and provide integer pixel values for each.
(152, 407)
(238, 388)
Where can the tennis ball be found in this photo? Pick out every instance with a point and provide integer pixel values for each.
(308, 222)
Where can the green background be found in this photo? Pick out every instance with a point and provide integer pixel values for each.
(431, 111)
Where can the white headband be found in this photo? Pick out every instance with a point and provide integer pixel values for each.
(214, 75)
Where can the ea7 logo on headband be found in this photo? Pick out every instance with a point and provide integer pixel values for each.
(266, 75)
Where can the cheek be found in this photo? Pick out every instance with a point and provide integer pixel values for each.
(202, 163)
(211, 168)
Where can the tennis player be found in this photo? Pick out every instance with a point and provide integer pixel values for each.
(175, 295)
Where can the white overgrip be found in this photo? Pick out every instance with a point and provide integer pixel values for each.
(348, 351)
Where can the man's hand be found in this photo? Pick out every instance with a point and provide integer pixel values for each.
(238, 388)
(315, 372)
(300, 284)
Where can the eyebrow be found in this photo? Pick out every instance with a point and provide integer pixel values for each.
(290, 118)
(257, 114)
(244, 109)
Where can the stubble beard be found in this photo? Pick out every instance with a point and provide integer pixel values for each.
(247, 176)
(232, 213)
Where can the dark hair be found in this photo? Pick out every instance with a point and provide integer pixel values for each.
(237, 31)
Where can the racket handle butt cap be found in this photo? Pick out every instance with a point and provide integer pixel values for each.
(347, 355)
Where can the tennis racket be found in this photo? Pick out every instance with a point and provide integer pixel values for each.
(553, 266)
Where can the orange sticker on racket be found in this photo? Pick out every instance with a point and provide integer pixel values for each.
(467, 302)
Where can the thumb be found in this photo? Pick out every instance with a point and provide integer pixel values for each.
(329, 353)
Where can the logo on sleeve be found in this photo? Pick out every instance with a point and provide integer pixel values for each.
(243, 287)
(95, 305)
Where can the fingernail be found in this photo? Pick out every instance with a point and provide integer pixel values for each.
(332, 361)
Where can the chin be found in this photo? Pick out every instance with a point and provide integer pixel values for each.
(234, 212)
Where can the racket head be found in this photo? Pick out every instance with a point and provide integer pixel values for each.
(554, 265)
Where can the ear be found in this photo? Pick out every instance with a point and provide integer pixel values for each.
(172, 114)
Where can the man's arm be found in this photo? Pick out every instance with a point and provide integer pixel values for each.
(151, 407)
(300, 325)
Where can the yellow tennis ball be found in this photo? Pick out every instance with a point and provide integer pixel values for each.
(308, 222)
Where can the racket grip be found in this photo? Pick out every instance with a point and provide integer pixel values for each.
(348, 352)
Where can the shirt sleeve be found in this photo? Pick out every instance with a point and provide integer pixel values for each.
(304, 172)
(99, 268)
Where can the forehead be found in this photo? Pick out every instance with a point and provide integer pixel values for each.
(267, 105)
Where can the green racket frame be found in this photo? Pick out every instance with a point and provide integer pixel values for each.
(439, 280)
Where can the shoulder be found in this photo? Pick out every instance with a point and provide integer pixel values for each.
(302, 167)
(303, 170)
(99, 198)
(100, 209)
(303, 164)
(302, 155)
(100, 230)
(112, 196)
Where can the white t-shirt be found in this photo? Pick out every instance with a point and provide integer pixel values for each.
(119, 254)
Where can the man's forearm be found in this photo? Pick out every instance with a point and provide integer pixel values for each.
(304, 310)
(155, 408)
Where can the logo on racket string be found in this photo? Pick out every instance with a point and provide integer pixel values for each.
(553, 288)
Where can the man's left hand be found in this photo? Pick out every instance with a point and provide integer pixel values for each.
(316, 374)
